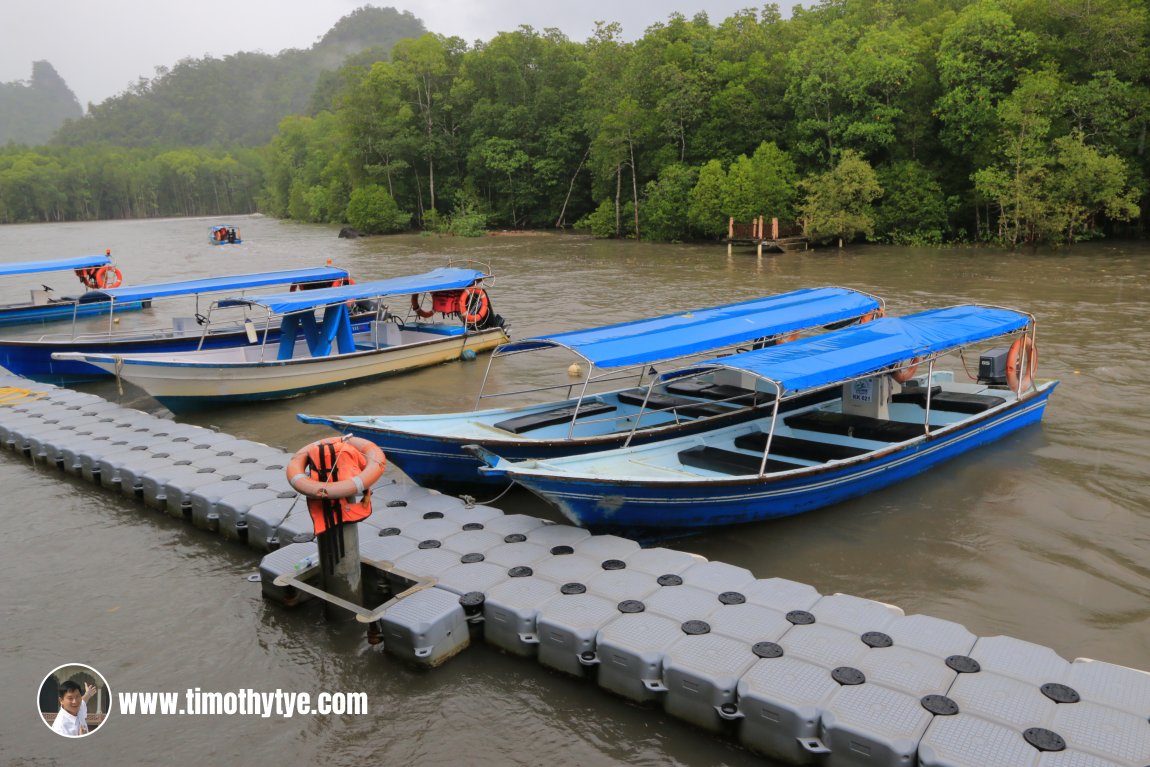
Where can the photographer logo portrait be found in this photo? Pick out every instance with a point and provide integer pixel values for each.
(74, 700)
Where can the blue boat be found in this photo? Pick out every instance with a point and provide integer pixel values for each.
(46, 306)
(882, 419)
(430, 448)
(32, 358)
(224, 234)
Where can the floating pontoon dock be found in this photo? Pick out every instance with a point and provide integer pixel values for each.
(793, 674)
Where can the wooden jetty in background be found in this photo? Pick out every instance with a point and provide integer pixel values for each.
(763, 234)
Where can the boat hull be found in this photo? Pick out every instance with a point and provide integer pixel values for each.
(442, 462)
(185, 385)
(33, 358)
(60, 312)
(626, 505)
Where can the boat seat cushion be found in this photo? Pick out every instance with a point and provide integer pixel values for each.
(734, 394)
(951, 401)
(795, 447)
(858, 426)
(680, 405)
(730, 462)
(552, 417)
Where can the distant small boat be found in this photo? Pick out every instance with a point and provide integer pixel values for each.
(32, 357)
(881, 420)
(224, 234)
(433, 449)
(94, 272)
(317, 345)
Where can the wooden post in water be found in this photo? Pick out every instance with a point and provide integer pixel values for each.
(339, 568)
(730, 233)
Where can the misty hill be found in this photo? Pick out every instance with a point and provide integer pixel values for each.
(239, 99)
(30, 113)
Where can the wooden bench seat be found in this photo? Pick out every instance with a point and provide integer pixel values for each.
(669, 402)
(950, 401)
(858, 426)
(552, 417)
(729, 462)
(734, 394)
(795, 447)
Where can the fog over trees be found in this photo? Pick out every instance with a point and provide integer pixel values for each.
(905, 121)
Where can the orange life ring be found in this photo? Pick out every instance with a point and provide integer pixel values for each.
(792, 337)
(906, 373)
(1016, 372)
(330, 473)
(473, 305)
(875, 314)
(109, 277)
(343, 281)
(418, 309)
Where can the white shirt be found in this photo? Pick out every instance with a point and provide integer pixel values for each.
(72, 726)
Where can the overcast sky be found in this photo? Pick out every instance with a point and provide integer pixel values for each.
(100, 47)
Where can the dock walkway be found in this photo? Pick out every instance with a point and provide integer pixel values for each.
(796, 675)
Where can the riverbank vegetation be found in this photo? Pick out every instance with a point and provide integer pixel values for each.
(924, 121)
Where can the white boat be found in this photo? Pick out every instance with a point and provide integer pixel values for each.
(317, 346)
(32, 357)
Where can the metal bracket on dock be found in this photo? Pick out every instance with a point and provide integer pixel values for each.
(362, 614)
(814, 745)
(655, 685)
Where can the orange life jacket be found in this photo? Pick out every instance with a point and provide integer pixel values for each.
(333, 461)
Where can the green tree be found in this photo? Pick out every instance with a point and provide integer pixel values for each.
(913, 209)
(705, 202)
(1015, 184)
(1083, 184)
(763, 184)
(424, 69)
(666, 201)
(839, 203)
(373, 211)
(979, 60)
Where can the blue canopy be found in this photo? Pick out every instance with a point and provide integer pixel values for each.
(53, 265)
(872, 347)
(219, 284)
(678, 335)
(444, 278)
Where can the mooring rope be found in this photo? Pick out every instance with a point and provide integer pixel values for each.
(11, 395)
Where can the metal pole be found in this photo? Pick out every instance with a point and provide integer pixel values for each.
(339, 568)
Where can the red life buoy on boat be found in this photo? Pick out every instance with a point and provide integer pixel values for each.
(906, 373)
(417, 307)
(109, 277)
(875, 314)
(343, 281)
(1020, 370)
(473, 305)
(330, 473)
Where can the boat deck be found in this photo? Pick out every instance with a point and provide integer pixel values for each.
(785, 670)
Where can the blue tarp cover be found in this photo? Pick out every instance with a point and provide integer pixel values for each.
(53, 265)
(678, 335)
(863, 349)
(445, 278)
(227, 282)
